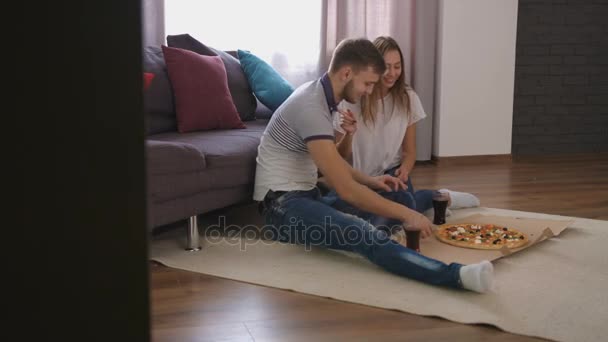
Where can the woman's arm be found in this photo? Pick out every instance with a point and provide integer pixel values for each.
(344, 144)
(344, 140)
(408, 153)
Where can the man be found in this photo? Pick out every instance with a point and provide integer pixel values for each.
(299, 141)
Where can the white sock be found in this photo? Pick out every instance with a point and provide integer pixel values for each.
(462, 199)
(478, 277)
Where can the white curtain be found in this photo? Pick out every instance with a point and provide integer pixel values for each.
(153, 22)
(412, 23)
(369, 19)
(285, 34)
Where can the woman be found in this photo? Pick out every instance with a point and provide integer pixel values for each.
(379, 135)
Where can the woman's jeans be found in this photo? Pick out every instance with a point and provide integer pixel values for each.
(422, 199)
(303, 217)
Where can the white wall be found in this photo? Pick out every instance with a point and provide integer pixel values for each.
(423, 75)
(475, 77)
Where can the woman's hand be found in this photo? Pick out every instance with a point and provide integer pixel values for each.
(402, 173)
(348, 121)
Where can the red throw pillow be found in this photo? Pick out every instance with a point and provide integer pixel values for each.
(148, 76)
(200, 88)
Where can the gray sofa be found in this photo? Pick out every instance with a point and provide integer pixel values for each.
(190, 174)
(194, 173)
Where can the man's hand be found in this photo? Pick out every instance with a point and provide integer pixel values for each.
(348, 121)
(387, 183)
(402, 173)
(419, 223)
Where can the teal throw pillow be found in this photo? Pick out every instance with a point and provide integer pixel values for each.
(267, 85)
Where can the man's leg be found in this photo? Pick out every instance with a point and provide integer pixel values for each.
(306, 220)
(390, 226)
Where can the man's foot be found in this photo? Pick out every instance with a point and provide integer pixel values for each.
(461, 199)
(478, 277)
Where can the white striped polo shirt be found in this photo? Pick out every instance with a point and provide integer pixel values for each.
(283, 161)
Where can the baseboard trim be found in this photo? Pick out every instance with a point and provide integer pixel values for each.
(467, 160)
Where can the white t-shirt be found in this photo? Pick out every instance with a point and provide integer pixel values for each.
(376, 147)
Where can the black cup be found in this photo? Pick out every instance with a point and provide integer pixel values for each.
(440, 205)
(413, 240)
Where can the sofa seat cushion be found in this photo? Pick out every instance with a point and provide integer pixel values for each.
(224, 147)
(170, 157)
(228, 161)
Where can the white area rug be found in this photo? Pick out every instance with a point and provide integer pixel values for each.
(557, 289)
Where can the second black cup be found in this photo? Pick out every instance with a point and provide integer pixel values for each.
(440, 205)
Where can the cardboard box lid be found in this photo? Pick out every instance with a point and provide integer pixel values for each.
(538, 230)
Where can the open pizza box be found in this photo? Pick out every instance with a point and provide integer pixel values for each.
(537, 230)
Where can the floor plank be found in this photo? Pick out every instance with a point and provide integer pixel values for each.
(188, 306)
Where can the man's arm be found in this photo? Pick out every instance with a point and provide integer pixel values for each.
(368, 180)
(340, 175)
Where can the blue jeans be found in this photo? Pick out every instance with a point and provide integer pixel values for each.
(423, 199)
(302, 217)
(388, 225)
(420, 200)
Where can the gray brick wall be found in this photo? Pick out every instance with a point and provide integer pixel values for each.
(561, 77)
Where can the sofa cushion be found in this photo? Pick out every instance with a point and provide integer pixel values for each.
(262, 112)
(170, 157)
(229, 161)
(267, 84)
(158, 98)
(200, 87)
(241, 92)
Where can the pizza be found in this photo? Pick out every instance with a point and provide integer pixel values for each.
(481, 236)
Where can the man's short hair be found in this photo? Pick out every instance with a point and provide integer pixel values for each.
(359, 54)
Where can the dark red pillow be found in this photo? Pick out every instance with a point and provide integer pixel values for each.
(148, 76)
(200, 88)
(239, 87)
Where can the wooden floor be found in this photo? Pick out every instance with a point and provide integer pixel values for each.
(194, 307)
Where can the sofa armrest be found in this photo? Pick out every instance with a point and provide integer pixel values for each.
(165, 157)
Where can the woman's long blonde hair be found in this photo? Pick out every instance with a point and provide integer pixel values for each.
(369, 103)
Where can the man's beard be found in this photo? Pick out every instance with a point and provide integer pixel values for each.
(347, 93)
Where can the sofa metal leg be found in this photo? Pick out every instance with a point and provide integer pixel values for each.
(193, 240)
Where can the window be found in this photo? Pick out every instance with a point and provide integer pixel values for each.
(286, 34)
